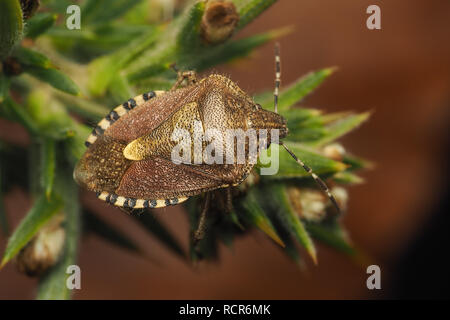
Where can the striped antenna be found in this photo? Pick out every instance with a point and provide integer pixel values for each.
(277, 76)
(319, 181)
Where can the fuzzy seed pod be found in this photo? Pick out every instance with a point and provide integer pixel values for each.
(334, 151)
(219, 21)
(43, 250)
(341, 196)
(310, 204)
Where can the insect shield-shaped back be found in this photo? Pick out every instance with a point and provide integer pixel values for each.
(130, 157)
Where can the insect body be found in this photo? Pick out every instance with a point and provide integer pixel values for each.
(128, 161)
(129, 157)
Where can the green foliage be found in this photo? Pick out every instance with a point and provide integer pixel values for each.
(340, 128)
(249, 10)
(41, 212)
(11, 26)
(290, 218)
(289, 168)
(53, 77)
(49, 163)
(39, 24)
(52, 285)
(123, 49)
(255, 215)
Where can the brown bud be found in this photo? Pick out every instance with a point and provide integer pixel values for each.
(341, 196)
(312, 204)
(334, 151)
(12, 67)
(29, 7)
(219, 21)
(43, 250)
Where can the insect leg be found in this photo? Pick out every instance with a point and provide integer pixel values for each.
(277, 76)
(200, 232)
(229, 200)
(126, 210)
(319, 181)
(190, 76)
(132, 211)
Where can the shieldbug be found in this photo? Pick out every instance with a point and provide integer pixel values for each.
(129, 160)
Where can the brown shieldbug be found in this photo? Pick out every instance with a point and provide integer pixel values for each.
(128, 161)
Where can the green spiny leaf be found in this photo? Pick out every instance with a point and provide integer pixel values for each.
(228, 51)
(188, 38)
(52, 286)
(29, 57)
(291, 220)
(50, 117)
(356, 163)
(304, 124)
(250, 9)
(297, 116)
(40, 213)
(104, 69)
(121, 90)
(11, 26)
(48, 161)
(346, 177)
(39, 24)
(20, 115)
(298, 90)
(341, 127)
(75, 145)
(334, 116)
(103, 11)
(141, 13)
(288, 168)
(55, 78)
(4, 87)
(154, 83)
(332, 234)
(84, 107)
(255, 215)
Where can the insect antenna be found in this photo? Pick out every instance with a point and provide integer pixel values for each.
(319, 181)
(277, 76)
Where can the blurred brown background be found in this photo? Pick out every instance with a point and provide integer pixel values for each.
(401, 71)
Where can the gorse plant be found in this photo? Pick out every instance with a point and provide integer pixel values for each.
(57, 83)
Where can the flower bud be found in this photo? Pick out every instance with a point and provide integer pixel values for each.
(341, 196)
(44, 248)
(334, 151)
(219, 21)
(310, 204)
